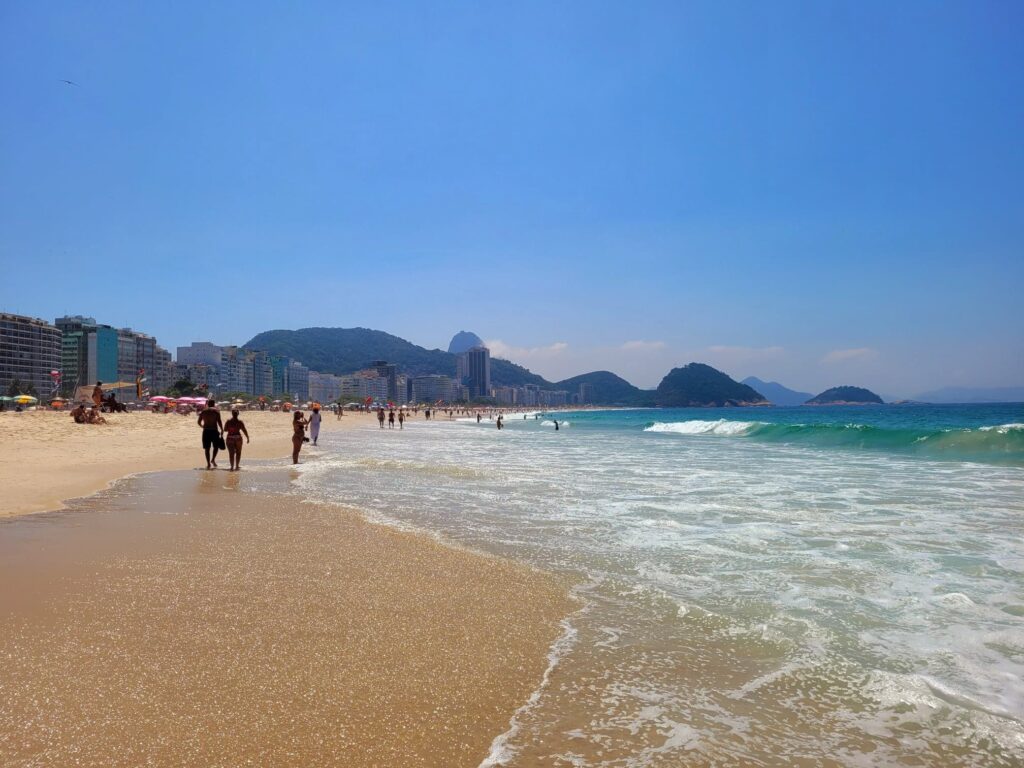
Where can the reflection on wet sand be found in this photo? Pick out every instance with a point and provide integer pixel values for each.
(182, 619)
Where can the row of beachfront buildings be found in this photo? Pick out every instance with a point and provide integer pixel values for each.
(55, 358)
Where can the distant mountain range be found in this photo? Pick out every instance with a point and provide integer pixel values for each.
(973, 395)
(346, 350)
(776, 393)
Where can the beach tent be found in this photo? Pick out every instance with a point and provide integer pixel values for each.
(83, 395)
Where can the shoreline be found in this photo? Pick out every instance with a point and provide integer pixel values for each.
(82, 459)
(169, 531)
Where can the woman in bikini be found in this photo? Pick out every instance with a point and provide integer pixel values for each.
(234, 428)
(298, 435)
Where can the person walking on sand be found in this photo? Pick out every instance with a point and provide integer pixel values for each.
(213, 432)
(314, 424)
(380, 417)
(97, 394)
(234, 429)
(401, 419)
(298, 435)
(391, 419)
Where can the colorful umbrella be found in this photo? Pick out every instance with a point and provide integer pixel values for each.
(26, 399)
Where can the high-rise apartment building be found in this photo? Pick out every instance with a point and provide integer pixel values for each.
(29, 350)
(324, 387)
(262, 373)
(92, 352)
(479, 362)
(298, 380)
(430, 389)
(162, 375)
(200, 352)
(389, 371)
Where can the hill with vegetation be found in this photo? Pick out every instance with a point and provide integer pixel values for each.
(608, 389)
(777, 393)
(698, 385)
(346, 350)
(846, 396)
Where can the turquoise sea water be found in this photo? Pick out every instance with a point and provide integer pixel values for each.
(777, 586)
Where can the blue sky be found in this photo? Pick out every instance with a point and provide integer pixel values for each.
(818, 193)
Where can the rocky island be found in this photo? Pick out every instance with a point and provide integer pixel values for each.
(846, 396)
(700, 386)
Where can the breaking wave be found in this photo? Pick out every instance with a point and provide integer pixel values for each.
(1001, 443)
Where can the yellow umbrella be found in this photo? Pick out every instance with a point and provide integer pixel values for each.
(26, 399)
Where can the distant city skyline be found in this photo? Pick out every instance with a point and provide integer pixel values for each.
(810, 194)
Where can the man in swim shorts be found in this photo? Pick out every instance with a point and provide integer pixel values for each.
(213, 429)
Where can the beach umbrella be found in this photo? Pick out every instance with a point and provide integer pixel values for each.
(26, 399)
(159, 399)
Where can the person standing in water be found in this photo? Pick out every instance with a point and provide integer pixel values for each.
(234, 428)
(391, 419)
(401, 419)
(213, 432)
(298, 435)
(314, 424)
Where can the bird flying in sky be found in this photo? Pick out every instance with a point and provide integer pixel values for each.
(69, 82)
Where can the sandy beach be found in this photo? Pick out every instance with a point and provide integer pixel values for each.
(210, 618)
(81, 459)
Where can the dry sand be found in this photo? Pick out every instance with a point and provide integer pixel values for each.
(46, 458)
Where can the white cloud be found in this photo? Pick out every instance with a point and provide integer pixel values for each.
(643, 346)
(524, 355)
(845, 355)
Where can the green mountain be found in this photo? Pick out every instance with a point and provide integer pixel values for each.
(345, 350)
(699, 385)
(846, 396)
(608, 389)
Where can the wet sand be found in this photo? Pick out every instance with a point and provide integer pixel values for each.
(204, 618)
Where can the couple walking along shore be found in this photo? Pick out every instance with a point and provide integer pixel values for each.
(218, 436)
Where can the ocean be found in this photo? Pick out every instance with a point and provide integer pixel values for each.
(764, 587)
